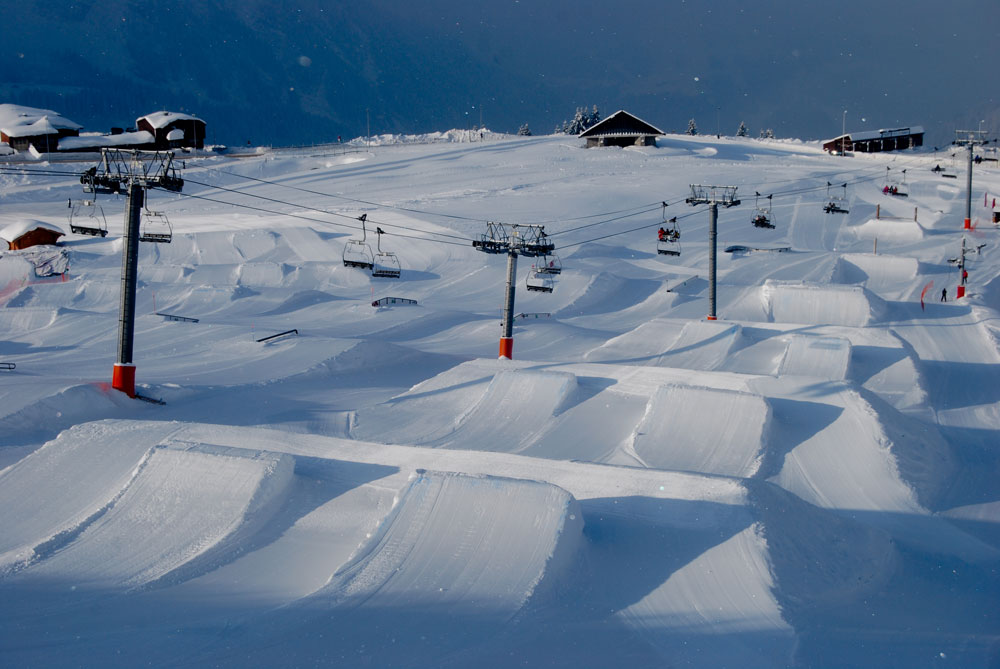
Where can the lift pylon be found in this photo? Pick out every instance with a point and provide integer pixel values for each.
(713, 196)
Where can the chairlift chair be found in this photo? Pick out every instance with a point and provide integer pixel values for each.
(836, 204)
(86, 217)
(549, 264)
(386, 264)
(357, 252)
(539, 280)
(762, 217)
(668, 240)
(155, 227)
(895, 187)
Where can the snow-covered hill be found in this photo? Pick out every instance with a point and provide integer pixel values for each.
(808, 481)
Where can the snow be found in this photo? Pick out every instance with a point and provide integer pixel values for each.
(24, 225)
(162, 119)
(21, 121)
(96, 142)
(811, 476)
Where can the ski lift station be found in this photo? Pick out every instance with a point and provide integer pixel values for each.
(875, 141)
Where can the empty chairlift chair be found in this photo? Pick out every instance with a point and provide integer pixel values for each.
(155, 228)
(86, 217)
(357, 252)
(386, 264)
(539, 280)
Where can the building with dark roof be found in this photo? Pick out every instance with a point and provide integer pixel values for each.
(874, 141)
(621, 129)
(173, 130)
(24, 127)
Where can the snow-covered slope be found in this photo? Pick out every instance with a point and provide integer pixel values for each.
(812, 475)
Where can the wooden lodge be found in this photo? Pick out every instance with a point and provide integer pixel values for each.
(173, 130)
(875, 141)
(27, 232)
(621, 129)
(24, 127)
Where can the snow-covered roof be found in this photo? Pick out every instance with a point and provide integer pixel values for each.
(98, 141)
(19, 121)
(162, 119)
(621, 123)
(882, 133)
(22, 226)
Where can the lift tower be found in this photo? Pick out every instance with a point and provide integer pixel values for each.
(971, 139)
(131, 172)
(513, 240)
(713, 196)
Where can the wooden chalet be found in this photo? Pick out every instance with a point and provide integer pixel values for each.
(621, 129)
(173, 130)
(25, 127)
(27, 232)
(874, 141)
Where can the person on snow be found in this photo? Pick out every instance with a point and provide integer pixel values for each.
(944, 294)
(965, 275)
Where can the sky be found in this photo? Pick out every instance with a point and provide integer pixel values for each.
(314, 71)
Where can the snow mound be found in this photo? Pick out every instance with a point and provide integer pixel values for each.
(721, 599)
(812, 304)
(675, 435)
(454, 539)
(895, 230)
(51, 494)
(701, 345)
(884, 275)
(870, 459)
(823, 357)
(463, 417)
(186, 506)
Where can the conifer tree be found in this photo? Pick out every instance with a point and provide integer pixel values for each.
(692, 128)
(742, 130)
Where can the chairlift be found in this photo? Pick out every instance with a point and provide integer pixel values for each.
(386, 263)
(539, 280)
(762, 217)
(86, 217)
(668, 236)
(897, 187)
(549, 264)
(155, 227)
(357, 252)
(836, 204)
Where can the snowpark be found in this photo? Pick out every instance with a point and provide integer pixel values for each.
(810, 480)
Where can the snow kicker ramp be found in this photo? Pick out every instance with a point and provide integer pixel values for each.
(456, 558)
(471, 415)
(705, 430)
(891, 277)
(701, 345)
(813, 304)
(50, 495)
(184, 506)
(822, 357)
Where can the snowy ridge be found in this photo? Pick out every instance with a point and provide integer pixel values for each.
(821, 305)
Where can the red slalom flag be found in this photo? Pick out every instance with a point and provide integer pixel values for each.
(930, 284)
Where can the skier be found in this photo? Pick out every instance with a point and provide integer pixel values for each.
(965, 275)
(662, 234)
(944, 294)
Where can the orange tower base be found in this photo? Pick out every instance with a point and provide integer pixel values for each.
(960, 291)
(710, 318)
(507, 347)
(123, 378)
(968, 224)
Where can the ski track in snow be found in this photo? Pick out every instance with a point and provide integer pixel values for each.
(812, 475)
